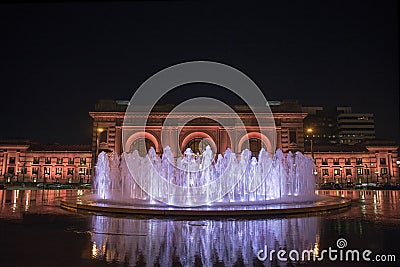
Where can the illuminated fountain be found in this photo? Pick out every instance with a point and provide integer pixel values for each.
(196, 185)
(198, 182)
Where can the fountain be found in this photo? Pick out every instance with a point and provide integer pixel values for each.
(288, 178)
(195, 185)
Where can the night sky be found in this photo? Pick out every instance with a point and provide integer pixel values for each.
(58, 59)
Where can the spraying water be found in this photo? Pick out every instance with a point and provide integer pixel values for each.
(194, 181)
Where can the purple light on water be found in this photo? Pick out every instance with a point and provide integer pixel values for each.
(191, 181)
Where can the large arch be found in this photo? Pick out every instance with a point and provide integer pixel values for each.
(256, 135)
(138, 135)
(198, 134)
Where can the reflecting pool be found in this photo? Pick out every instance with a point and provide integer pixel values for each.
(36, 232)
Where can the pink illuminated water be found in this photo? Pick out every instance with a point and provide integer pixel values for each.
(195, 181)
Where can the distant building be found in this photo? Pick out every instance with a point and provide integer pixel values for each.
(24, 161)
(339, 125)
(372, 161)
(323, 125)
(355, 127)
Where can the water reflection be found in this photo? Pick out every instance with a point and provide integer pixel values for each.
(190, 243)
(374, 205)
(14, 203)
(87, 239)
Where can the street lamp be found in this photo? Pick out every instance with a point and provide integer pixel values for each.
(98, 132)
(341, 179)
(310, 130)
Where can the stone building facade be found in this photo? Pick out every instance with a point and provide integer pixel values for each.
(109, 115)
(26, 162)
(369, 162)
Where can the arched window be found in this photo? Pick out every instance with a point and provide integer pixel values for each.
(141, 147)
(255, 146)
(198, 145)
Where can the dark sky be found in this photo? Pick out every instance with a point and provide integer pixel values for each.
(57, 59)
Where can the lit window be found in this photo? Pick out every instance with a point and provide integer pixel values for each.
(324, 162)
(35, 171)
(47, 161)
(83, 161)
(325, 172)
(71, 161)
(383, 161)
(360, 171)
(347, 161)
(384, 171)
(59, 171)
(359, 161)
(46, 170)
(335, 161)
(59, 160)
(336, 171)
(70, 171)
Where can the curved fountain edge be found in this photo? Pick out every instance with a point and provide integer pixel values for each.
(327, 204)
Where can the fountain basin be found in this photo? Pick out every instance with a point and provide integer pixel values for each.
(320, 204)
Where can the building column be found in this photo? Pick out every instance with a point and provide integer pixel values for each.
(118, 140)
(390, 172)
(224, 141)
(4, 169)
(169, 137)
(378, 164)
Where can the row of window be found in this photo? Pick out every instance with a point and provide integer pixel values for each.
(47, 160)
(360, 171)
(322, 135)
(347, 161)
(350, 141)
(35, 170)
